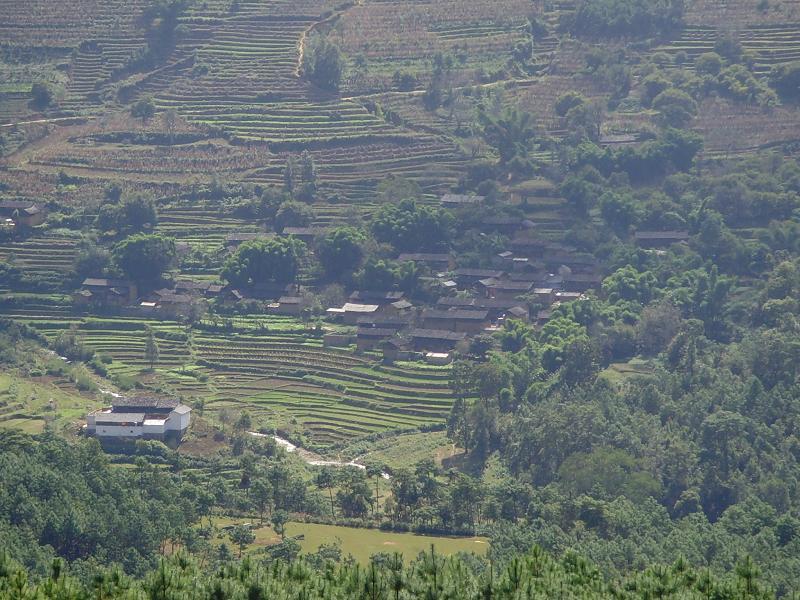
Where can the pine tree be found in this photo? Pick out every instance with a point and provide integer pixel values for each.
(151, 348)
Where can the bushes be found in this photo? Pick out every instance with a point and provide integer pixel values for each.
(625, 18)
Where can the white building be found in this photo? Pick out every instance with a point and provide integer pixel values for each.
(147, 418)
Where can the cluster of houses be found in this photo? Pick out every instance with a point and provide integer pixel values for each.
(475, 301)
(143, 417)
(532, 272)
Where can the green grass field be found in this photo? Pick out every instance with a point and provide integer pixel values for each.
(362, 543)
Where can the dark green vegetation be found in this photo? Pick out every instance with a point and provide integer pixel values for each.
(428, 576)
(249, 164)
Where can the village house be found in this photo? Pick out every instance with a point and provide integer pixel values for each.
(467, 277)
(168, 304)
(350, 312)
(496, 308)
(379, 297)
(383, 320)
(197, 288)
(660, 239)
(97, 291)
(291, 306)
(459, 200)
(23, 212)
(435, 340)
(466, 321)
(129, 419)
(304, 234)
(368, 338)
(582, 282)
(504, 289)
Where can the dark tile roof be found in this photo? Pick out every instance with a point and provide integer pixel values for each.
(144, 402)
(368, 295)
(436, 334)
(479, 273)
(119, 417)
(106, 283)
(461, 199)
(375, 332)
(458, 315)
(662, 235)
(423, 257)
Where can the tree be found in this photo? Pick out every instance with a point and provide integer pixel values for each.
(244, 422)
(261, 493)
(42, 95)
(785, 79)
(261, 261)
(708, 63)
(242, 535)
(293, 214)
(354, 493)
(91, 259)
(676, 108)
(375, 471)
(568, 101)
(150, 347)
(409, 226)
(144, 257)
(279, 520)
(323, 63)
(326, 480)
(340, 251)
(512, 134)
(170, 121)
(144, 109)
(138, 212)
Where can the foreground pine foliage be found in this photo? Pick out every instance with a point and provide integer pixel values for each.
(430, 577)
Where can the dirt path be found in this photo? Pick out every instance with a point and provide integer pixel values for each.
(312, 458)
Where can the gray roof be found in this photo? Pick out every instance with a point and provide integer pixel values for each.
(144, 402)
(437, 334)
(461, 199)
(458, 315)
(103, 282)
(119, 417)
(182, 409)
(662, 235)
(375, 332)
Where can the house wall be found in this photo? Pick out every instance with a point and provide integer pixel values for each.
(178, 422)
(118, 431)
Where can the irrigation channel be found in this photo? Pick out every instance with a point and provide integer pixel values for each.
(310, 457)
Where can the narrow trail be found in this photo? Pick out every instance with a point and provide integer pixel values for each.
(312, 458)
(301, 43)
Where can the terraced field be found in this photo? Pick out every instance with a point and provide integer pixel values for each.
(283, 378)
(769, 45)
(47, 260)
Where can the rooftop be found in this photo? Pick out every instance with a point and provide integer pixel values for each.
(461, 199)
(103, 282)
(144, 402)
(436, 334)
(119, 417)
(458, 315)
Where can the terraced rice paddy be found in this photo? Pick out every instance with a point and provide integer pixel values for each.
(283, 378)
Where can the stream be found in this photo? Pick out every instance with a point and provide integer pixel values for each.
(312, 458)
